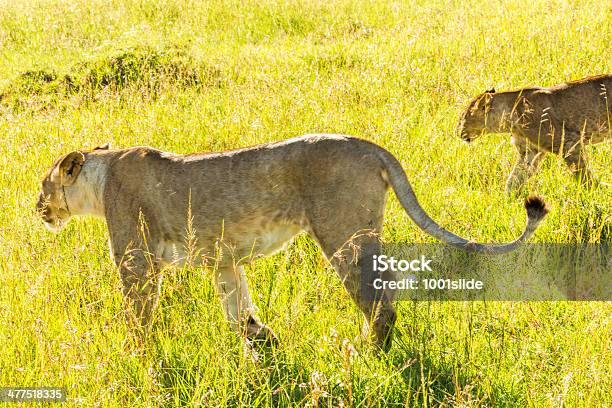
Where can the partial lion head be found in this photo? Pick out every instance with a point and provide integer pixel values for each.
(52, 203)
(474, 120)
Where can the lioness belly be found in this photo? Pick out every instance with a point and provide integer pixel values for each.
(266, 239)
(242, 244)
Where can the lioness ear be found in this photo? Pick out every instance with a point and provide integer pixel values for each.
(474, 105)
(105, 146)
(480, 102)
(69, 168)
(526, 107)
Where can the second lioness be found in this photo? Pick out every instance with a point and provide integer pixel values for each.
(560, 119)
(247, 203)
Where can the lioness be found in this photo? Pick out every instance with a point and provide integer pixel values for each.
(560, 119)
(253, 201)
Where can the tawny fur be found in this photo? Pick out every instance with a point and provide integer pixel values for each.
(560, 119)
(242, 204)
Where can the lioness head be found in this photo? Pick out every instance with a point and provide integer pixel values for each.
(53, 205)
(475, 120)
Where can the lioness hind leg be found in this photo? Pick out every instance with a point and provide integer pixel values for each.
(348, 237)
(347, 221)
(359, 283)
(237, 304)
(577, 162)
(526, 165)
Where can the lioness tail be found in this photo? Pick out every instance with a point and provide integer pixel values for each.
(534, 205)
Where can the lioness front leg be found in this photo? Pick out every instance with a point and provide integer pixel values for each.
(141, 280)
(238, 306)
(130, 240)
(526, 165)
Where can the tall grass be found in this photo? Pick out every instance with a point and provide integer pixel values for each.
(394, 73)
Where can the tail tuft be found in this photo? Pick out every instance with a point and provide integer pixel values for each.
(536, 208)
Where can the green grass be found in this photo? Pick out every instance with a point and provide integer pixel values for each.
(192, 76)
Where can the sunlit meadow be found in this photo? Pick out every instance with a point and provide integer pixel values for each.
(191, 76)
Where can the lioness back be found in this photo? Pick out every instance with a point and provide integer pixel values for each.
(276, 183)
(584, 105)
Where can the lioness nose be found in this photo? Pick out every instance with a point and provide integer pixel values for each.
(39, 203)
(41, 206)
(460, 132)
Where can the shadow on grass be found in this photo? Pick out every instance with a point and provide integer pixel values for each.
(404, 377)
(269, 381)
(208, 366)
(422, 380)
